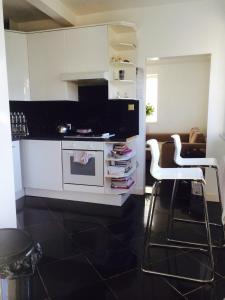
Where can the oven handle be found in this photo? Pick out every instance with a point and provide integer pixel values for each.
(71, 152)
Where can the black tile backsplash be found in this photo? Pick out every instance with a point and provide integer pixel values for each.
(112, 116)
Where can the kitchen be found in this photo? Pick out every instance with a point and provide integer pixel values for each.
(73, 97)
(78, 122)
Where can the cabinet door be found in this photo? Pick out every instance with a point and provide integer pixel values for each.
(17, 66)
(41, 164)
(87, 49)
(46, 51)
(17, 166)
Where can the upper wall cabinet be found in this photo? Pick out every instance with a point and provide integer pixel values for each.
(17, 65)
(106, 49)
(46, 52)
(87, 49)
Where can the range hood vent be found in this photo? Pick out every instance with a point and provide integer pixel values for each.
(86, 78)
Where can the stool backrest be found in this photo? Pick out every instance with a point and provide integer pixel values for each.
(178, 146)
(154, 146)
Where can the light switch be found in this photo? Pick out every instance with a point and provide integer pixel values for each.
(130, 107)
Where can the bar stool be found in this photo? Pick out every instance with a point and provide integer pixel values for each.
(201, 163)
(162, 174)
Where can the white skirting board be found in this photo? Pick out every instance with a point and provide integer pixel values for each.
(107, 199)
(19, 194)
(211, 197)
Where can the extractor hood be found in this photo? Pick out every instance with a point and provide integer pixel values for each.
(86, 78)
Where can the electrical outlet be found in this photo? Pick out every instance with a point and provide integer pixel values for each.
(130, 107)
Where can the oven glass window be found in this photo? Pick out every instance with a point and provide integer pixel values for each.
(77, 168)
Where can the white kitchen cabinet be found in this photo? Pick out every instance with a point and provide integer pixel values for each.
(87, 49)
(17, 169)
(17, 65)
(46, 52)
(41, 164)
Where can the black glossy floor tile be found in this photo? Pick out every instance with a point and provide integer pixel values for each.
(215, 291)
(135, 285)
(98, 291)
(127, 230)
(95, 252)
(97, 213)
(111, 263)
(219, 260)
(54, 241)
(32, 216)
(97, 240)
(136, 246)
(67, 276)
(74, 222)
(185, 264)
(35, 202)
(184, 287)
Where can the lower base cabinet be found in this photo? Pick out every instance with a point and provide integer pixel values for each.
(17, 168)
(41, 164)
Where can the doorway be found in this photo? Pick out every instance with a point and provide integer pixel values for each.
(177, 91)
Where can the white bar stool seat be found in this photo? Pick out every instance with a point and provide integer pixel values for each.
(162, 174)
(178, 174)
(181, 161)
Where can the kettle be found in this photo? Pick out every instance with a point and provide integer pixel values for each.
(63, 128)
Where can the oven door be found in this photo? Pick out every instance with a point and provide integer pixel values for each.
(78, 171)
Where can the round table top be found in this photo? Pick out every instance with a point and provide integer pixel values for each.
(13, 242)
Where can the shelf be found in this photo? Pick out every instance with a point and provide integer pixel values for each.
(122, 98)
(123, 63)
(132, 170)
(123, 81)
(128, 140)
(123, 46)
(125, 157)
(122, 191)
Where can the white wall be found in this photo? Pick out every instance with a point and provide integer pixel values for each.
(183, 89)
(7, 196)
(187, 28)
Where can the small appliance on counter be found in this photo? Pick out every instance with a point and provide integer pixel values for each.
(63, 128)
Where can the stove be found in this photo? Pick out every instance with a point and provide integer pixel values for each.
(90, 136)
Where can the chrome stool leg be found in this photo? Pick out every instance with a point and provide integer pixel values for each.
(171, 210)
(148, 244)
(150, 211)
(172, 220)
(208, 231)
(221, 205)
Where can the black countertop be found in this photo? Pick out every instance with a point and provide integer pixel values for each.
(62, 138)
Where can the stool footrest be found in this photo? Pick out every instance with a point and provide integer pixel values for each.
(195, 221)
(194, 244)
(177, 247)
(178, 276)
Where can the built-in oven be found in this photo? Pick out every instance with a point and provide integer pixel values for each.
(83, 163)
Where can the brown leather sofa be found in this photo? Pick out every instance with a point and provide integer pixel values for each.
(193, 145)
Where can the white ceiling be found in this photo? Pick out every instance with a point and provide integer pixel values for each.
(21, 11)
(81, 7)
